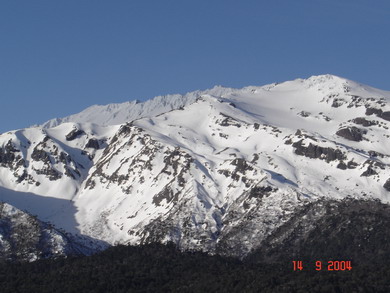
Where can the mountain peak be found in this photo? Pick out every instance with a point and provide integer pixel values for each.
(325, 78)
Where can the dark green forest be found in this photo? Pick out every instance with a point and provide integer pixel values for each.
(163, 268)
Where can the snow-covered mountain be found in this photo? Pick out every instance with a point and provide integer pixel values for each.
(217, 170)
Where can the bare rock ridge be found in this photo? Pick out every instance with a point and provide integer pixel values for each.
(218, 170)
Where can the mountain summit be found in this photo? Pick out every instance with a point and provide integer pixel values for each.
(219, 170)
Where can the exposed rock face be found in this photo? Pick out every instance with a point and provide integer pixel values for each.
(261, 191)
(40, 155)
(378, 112)
(304, 114)
(364, 122)
(370, 111)
(337, 102)
(369, 172)
(351, 133)
(317, 152)
(10, 156)
(385, 115)
(228, 121)
(93, 143)
(239, 171)
(352, 165)
(74, 134)
(342, 165)
(387, 185)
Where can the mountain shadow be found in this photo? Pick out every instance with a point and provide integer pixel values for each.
(60, 212)
(41, 227)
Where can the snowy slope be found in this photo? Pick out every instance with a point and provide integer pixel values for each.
(217, 170)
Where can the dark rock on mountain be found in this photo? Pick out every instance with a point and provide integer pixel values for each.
(93, 144)
(370, 111)
(10, 157)
(241, 165)
(50, 172)
(167, 195)
(261, 191)
(387, 185)
(65, 158)
(364, 122)
(74, 134)
(239, 172)
(386, 115)
(304, 114)
(315, 151)
(369, 172)
(351, 133)
(342, 165)
(337, 102)
(228, 121)
(40, 155)
(375, 154)
(352, 165)
(301, 134)
(72, 173)
(378, 112)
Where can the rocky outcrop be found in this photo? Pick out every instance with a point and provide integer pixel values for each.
(228, 121)
(352, 165)
(317, 152)
(93, 144)
(74, 134)
(241, 168)
(369, 172)
(385, 115)
(387, 185)
(10, 157)
(261, 191)
(364, 122)
(351, 133)
(342, 165)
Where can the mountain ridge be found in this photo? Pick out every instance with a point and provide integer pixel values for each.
(119, 113)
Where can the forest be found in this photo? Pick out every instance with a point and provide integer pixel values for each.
(163, 268)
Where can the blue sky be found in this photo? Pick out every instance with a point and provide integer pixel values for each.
(59, 57)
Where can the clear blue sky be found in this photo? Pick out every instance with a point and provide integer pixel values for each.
(59, 57)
